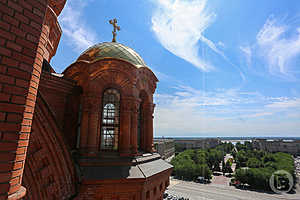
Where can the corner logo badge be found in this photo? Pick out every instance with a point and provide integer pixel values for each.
(281, 181)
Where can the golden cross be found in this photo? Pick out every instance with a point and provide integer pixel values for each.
(116, 28)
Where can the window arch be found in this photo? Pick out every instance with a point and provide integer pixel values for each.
(110, 124)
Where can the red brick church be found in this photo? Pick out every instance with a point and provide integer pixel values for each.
(84, 134)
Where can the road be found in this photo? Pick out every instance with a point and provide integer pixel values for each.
(196, 191)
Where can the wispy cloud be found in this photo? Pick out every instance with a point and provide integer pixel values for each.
(193, 112)
(179, 26)
(247, 52)
(78, 33)
(277, 45)
(285, 103)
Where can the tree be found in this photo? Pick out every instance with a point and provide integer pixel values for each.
(254, 163)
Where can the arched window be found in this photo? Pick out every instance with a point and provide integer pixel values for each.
(110, 120)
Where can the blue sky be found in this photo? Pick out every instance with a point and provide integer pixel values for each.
(226, 68)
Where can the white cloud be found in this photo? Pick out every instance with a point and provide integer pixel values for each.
(278, 46)
(221, 44)
(285, 103)
(179, 26)
(247, 52)
(193, 112)
(78, 33)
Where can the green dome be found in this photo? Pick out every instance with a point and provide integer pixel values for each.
(111, 50)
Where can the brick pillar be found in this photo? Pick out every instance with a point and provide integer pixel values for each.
(134, 126)
(84, 124)
(93, 123)
(125, 126)
(21, 56)
(149, 126)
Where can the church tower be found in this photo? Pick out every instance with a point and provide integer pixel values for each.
(112, 110)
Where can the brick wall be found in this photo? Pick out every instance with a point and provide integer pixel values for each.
(21, 56)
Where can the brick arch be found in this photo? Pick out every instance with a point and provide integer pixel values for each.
(49, 171)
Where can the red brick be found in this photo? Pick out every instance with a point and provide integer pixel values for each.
(15, 6)
(26, 43)
(34, 84)
(17, 173)
(38, 62)
(24, 143)
(18, 165)
(2, 69)
(18, 99)
(32, 38)
(8, 107)
(7, 79)
(24, 136)
(11, 117)
(29, 29)
(25, 4)
(4, 25)
(29, 52)
(8, 146)
(7, 35)
(32, 16)
(21, 157)
(5, 167)
(6, 10)
(9, 136)
(9, 62)
(18, 73)
(21, 57)
(31, 96)
(4, 186)
(35, 25)
(14, 181)
(14, 188)
(26, 122)
(38, 5)
(14, 46)
(10, 20)
(30, 110)
(14, 90)
(26, 67)
(38, 12)
(18, 32)
(40, 50)
(22, 83)
(2, 117)
(2, 41)
(30, 103)
(4, 97)
(22, 18)
(9, 127)
(5, 51)
(33, 91)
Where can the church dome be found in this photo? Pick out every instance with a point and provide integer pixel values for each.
(111, 50)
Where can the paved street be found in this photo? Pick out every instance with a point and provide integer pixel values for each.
(196, 191)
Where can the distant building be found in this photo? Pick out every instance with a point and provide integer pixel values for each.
(287, 146)
(199, 143)
(165, 147)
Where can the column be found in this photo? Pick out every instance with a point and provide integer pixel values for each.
(149, 125)
(84, 124)
(125, 125)
(134, 125)
(94, 107)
